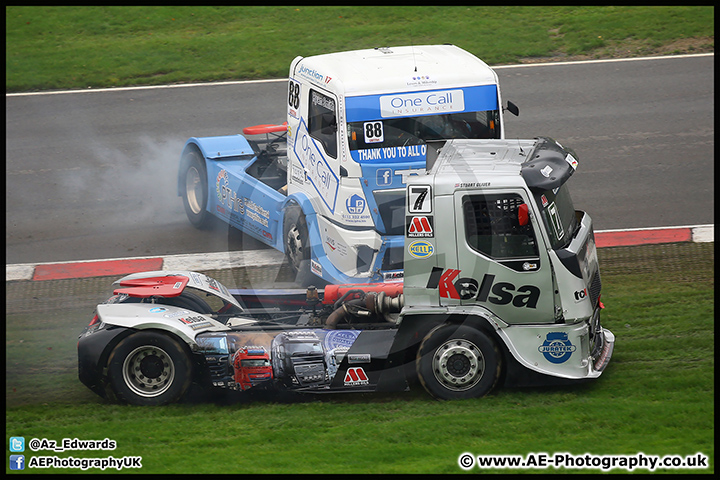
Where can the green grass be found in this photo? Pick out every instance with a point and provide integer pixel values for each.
(81, 47)
(656, 396)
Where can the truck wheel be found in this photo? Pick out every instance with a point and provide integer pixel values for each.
(456, 362)
(297, 244)
(149, 368)
(193, 186)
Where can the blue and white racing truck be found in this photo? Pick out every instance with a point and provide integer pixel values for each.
(328, 188)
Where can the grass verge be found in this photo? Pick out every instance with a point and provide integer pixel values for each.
(82, 47)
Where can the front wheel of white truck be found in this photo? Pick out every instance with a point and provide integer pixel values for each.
(456, 362)
(297, 244)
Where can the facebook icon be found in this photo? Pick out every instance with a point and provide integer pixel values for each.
(383, 176)
(17, 462)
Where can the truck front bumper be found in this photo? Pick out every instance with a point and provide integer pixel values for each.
(572, 351)
(602, 359)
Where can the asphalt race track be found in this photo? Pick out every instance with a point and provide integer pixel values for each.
(92, 174)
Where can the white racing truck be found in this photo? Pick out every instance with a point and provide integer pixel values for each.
(327, 187)
(501, 286)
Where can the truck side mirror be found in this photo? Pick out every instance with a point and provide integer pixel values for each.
(523, 215)
(512, 108)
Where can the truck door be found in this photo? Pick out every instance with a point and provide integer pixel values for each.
(503, 264)
(315, 145)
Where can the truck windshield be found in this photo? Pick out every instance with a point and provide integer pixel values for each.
(261, 362)
(410, 131)
(558, 214)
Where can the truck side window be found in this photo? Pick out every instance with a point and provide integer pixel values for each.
(492, 226)
(322, 121)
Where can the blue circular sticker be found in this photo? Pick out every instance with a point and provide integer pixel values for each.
(557, 348)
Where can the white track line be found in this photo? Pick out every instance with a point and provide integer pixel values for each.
(226, 260)
(275, 80)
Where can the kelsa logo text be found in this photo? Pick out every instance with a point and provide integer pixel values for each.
(500, 293)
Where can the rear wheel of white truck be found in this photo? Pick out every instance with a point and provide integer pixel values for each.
(194, 189)
(456, 362)
(149, 368)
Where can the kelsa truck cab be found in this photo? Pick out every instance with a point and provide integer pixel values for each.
(328, 186)
(515, 260)
(501, 286)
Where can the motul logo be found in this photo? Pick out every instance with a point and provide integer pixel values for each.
(356, 376)
(419, 227)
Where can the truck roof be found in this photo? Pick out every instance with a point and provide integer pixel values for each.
(396, 69)
(501, 163)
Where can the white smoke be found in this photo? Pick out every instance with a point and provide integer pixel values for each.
(129, 186)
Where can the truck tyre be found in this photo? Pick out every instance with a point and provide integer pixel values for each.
(149, 368)
(194, 189)
(297, 244)
(456, 362)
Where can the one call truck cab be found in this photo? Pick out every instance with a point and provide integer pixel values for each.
(327, 188)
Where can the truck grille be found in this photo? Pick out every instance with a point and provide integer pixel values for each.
(595, 287)
(217, 366)
(393, 259)
(391, 208)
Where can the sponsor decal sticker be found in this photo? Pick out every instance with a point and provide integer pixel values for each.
(383, 177)
(355, 205)
(422, 103)
(316, 268)
(313, 75)
(355, 376)
(226, 195)
(195, 323)
(557, 348)
(356, 211)
(572, 161)
(373, 132)
(358, 358)
(318, 171)
(393, 277)
(340, 338)
(419, 199)
(257, 213)
(487, 290)
(580, 295)
(388, 154)
(472, 184)
(555, 220)
(158, 310)
(419, 227)
(421, 249)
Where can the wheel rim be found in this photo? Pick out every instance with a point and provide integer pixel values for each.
(458, 365)
(193, 190)
(294, 247)
(148, 371)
